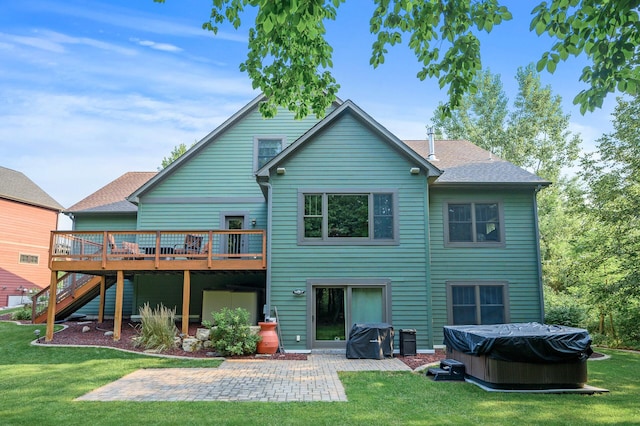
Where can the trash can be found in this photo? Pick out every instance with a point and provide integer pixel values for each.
(408, 342)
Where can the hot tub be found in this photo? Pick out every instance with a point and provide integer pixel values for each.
(521, 356)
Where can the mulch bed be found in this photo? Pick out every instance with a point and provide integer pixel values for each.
(73, 335)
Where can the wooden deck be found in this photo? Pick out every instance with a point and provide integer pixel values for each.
(105, 252)
(114, 253)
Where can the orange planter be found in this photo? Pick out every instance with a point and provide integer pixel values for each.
(269, 342)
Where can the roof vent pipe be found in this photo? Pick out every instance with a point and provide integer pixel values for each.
(432, 148)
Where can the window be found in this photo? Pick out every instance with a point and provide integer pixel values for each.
(477, 303)
(31, 259)
(473, 224)
(265, 149)
(348, 217)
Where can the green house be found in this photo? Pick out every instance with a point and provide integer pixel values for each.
(323, 223)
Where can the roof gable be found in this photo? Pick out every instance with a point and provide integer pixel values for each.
(348, 107)
(199, 146)
(16, 186)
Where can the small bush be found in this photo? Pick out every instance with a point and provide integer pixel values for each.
(570, 316)
(231, 335)
(157, 329)
(23, 314)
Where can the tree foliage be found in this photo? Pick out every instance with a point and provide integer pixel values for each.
(289, 59)
(532, 134)
(612, 177)
(176, 153)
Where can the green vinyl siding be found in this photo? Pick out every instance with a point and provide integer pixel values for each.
(516, 263)
(101, 222)
(91, 308)
(348, 156)
(225, 167)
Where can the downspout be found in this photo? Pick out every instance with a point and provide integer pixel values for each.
(537, 235)
(267, 305)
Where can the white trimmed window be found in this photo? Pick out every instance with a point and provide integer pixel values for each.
(30, 259)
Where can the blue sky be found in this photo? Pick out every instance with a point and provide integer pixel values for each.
(92, 89)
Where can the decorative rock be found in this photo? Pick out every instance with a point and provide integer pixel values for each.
(207, 344)
(86, 329)
(191, 344)
(203, 334)
(108, 333)
(177, 341)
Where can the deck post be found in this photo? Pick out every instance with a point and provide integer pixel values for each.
(51, 309)
(186, 298)
(117, 318)
(103, 285)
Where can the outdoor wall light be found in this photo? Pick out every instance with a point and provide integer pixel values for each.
(281, 170)
(414, 170)
(299, 292)
(253, 222)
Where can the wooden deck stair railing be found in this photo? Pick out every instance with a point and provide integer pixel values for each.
(72, 288)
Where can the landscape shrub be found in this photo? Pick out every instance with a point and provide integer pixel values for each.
(570, 316)
(231, 334)
(157, 329)
(23, 314)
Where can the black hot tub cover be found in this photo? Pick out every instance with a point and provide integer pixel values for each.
(522, 342)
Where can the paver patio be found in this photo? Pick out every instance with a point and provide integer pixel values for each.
(315, 379)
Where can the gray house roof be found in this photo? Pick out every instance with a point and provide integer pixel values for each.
(112, 198)
(16, 186)
(464, 163)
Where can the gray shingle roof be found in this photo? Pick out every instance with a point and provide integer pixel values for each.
(466, 163)
(111, 198)
(16, 186)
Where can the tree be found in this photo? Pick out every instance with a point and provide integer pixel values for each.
(176, 153)
(538, 134)
(480, 117)
(289, 58)
(533, 135)
(612, 178)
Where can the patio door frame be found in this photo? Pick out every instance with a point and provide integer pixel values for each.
(348, 285)
(224, 224)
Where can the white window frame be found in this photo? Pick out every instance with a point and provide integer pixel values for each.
(24, 257)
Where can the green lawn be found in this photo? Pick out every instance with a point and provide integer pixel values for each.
(38, 386)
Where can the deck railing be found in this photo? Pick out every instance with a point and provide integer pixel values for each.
(67, 285)
(106, 246)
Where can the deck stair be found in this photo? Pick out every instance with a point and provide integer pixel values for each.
(449, 370)
(74, 291)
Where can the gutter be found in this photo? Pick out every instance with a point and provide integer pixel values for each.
(537, 234)
(267, 306)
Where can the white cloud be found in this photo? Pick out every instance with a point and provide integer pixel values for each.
(118, 17)
(157, 46)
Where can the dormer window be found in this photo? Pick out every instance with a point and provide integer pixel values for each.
(265, 148)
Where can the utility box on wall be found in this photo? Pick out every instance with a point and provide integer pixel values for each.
(214, 300)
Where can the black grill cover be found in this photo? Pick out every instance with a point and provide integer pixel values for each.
(523, 342)
(370, 341)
